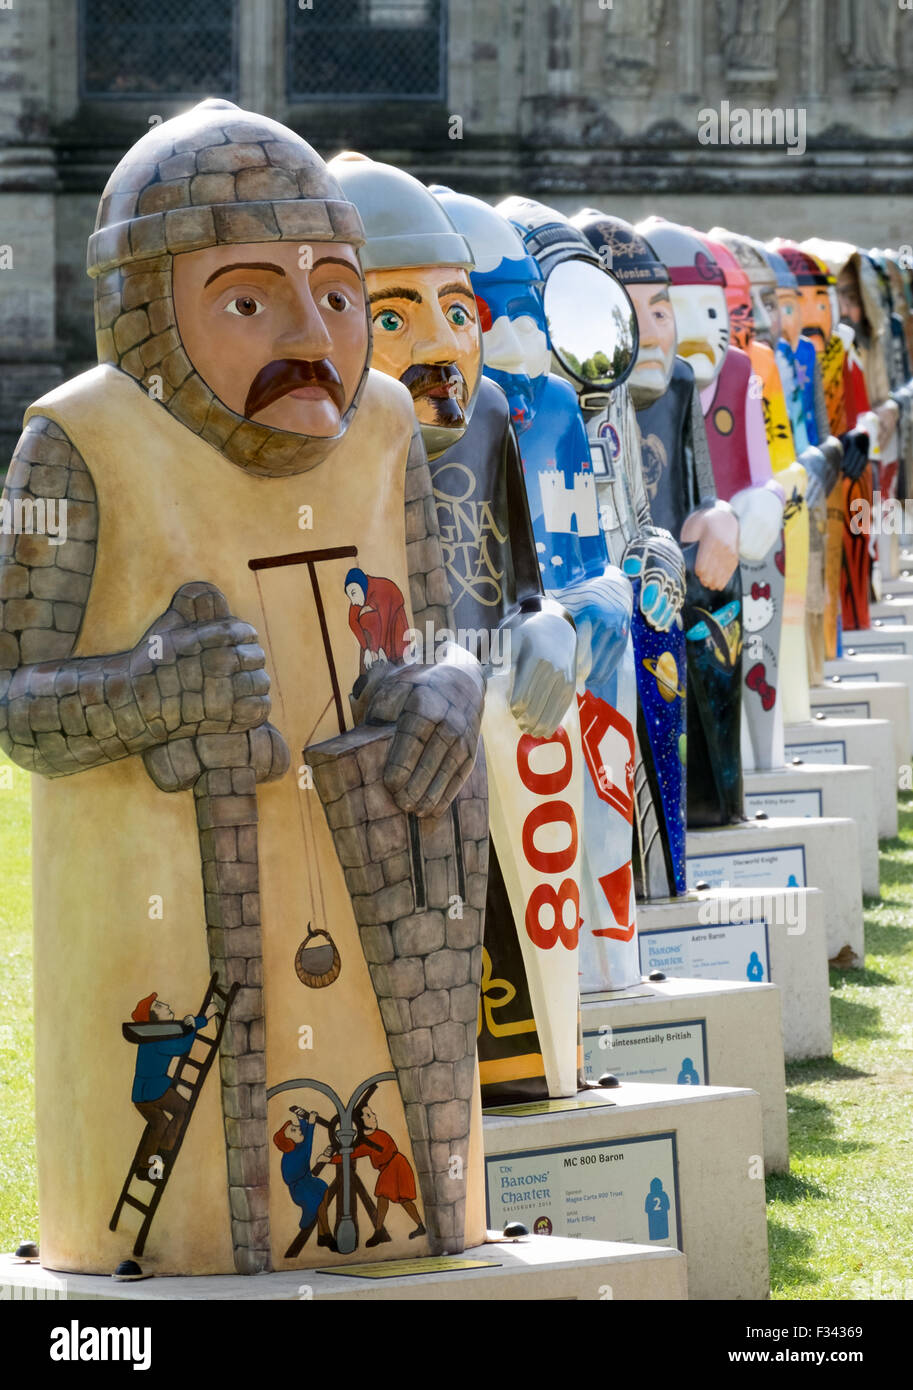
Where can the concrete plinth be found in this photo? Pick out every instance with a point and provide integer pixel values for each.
(896, 610)
(871, 699)
(788, 852)
(806, 789)
(900, 584)
(711, 936)
(861, 664)
(595, 1165)
(888, 559)
(895, 639)
(730, 1032)
(852, 741)
(535, 1268)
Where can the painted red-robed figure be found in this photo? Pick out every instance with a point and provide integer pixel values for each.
(395, 1179)
(377, 616)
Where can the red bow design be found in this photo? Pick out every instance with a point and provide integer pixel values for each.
(780, 559)
(760, 591)
(757, 680)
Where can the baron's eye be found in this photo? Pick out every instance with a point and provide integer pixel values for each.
(245, 306)
(459, 315)
(336, 300)
(389, 320)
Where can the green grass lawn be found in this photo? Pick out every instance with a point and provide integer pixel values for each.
(841, 1224)
(18, 1187)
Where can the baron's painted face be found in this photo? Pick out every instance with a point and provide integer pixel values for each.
(656, 357)
(277, 343)
(790, 319)
(702, 322)
(815, 314)
(426, 334)
(765, 309)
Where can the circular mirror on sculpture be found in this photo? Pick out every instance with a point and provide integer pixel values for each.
(591, 323)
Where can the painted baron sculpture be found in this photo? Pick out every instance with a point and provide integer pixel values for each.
(163, 672)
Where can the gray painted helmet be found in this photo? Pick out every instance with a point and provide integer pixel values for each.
(405, 228)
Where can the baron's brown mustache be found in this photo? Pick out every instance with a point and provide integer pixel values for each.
(278, 378)
(423, 377)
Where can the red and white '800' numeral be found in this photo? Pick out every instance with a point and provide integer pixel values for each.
(552, 862)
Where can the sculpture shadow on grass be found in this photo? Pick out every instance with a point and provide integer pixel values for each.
(790, 1189)
(853, 1019)
(889, 938)
(791, 1253)
(812, 1130)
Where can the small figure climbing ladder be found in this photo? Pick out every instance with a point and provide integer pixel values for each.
(191, 1083)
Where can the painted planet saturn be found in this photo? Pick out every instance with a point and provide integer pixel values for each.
(665, 672)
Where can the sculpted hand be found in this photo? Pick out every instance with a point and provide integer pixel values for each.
(656, 561)
(716, 530)
(760, 513)
(543, 651)
(200, 670)
(437, 711)
(601, 607)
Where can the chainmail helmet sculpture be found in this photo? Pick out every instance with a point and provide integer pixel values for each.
(214, 176)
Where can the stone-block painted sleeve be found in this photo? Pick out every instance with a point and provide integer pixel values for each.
(429, 587)
(60, 713)
(45, 720)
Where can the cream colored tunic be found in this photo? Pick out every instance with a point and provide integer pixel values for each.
(108, 843)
